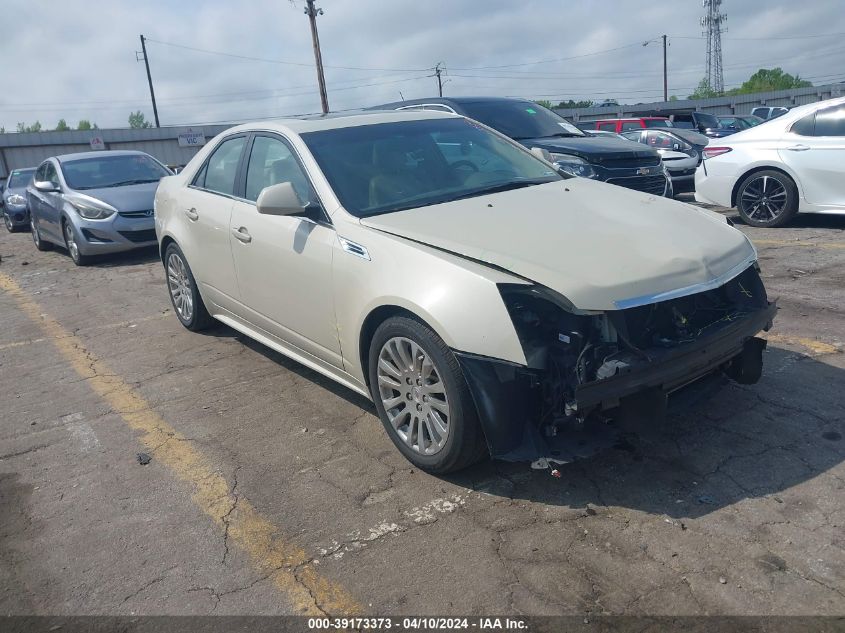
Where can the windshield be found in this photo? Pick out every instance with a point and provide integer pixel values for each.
(657, 122)
(99, 172)
(19, 178)
(707, 120)
(520, 119)
(388, 167)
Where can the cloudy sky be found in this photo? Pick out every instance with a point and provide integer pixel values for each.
(76, 59)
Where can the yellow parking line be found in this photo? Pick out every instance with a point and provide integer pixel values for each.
(286, 564)
(816, 347)
(830, 245)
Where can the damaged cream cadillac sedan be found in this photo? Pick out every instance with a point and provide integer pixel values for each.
(486, 303)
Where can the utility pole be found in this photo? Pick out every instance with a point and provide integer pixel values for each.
(149, 77)
(312, 12)
(665, 74)
(437, 72)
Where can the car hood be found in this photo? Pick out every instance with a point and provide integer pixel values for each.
(601, 246)
(593, 148)
(21, 191)
(125, 199)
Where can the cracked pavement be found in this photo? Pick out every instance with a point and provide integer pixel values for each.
(733, 505)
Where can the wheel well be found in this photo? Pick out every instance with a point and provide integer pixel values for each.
(740, 180)
(162, 249)
(368, 330)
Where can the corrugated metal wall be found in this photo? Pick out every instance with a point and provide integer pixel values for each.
(737, 104)
(29, 149)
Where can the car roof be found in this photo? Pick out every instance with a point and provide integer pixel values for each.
(446, 101)
(302, 125)
(64, 158)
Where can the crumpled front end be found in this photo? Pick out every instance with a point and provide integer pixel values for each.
(586, 369)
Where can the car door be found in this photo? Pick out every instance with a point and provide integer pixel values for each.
(205, 209)
(33, 196)
(51, 203)
(284, 263)
(814, 148)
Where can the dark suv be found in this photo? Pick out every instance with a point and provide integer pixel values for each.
(609, 159)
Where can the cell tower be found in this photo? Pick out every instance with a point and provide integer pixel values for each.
(712, 23)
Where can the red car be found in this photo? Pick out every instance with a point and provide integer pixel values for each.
(634, 123)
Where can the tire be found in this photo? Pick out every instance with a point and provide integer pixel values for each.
(40, 244)
(72, 246)
(184, 295)
(767, 199)
(7, 221)
(406, 391)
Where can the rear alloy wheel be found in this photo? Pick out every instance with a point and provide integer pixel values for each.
(422, 398)
(72, 245)
(184, 294)
(40, 244)
(767, 199)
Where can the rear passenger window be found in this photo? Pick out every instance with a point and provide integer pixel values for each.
(631, 125)
(271, 162)
(607, 126)
(830, 122)
(804, 126)
(221, 169)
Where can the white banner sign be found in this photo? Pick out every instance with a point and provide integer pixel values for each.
(97, 143)
(191, 139)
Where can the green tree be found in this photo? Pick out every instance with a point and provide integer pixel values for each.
(575, 104)
(673, 98)
(137, 120)
(85, 124)
(35, 127)
(544, 102)
(2, 130)
(703, 91)
(768, 79)
(62, 126)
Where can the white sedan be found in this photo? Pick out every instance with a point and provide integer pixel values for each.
(794, 163)
(484, 301)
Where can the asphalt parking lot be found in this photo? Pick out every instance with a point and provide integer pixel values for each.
(272, 490)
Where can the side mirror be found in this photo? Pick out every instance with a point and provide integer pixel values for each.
(46, 186)
(539, 152)
(280, 199)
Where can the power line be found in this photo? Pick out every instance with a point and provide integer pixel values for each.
(284, 62)
(550, 61)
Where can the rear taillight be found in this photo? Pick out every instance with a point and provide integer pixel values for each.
(710, 152)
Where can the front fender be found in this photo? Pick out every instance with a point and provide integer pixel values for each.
(457, 298)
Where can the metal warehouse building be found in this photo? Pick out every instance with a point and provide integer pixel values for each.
(170, 145)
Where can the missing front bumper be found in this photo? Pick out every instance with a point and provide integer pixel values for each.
(508, 397)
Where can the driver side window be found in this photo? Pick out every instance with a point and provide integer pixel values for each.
(271, 162)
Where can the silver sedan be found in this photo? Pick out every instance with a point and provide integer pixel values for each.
(94, 203)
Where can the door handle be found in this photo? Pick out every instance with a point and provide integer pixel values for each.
(192, 214)
(242, 234)
(798, 148)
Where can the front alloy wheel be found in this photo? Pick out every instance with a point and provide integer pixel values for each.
(413, 396)
(8, 222)
(767, 199)
(422, 397)
(72, 246)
